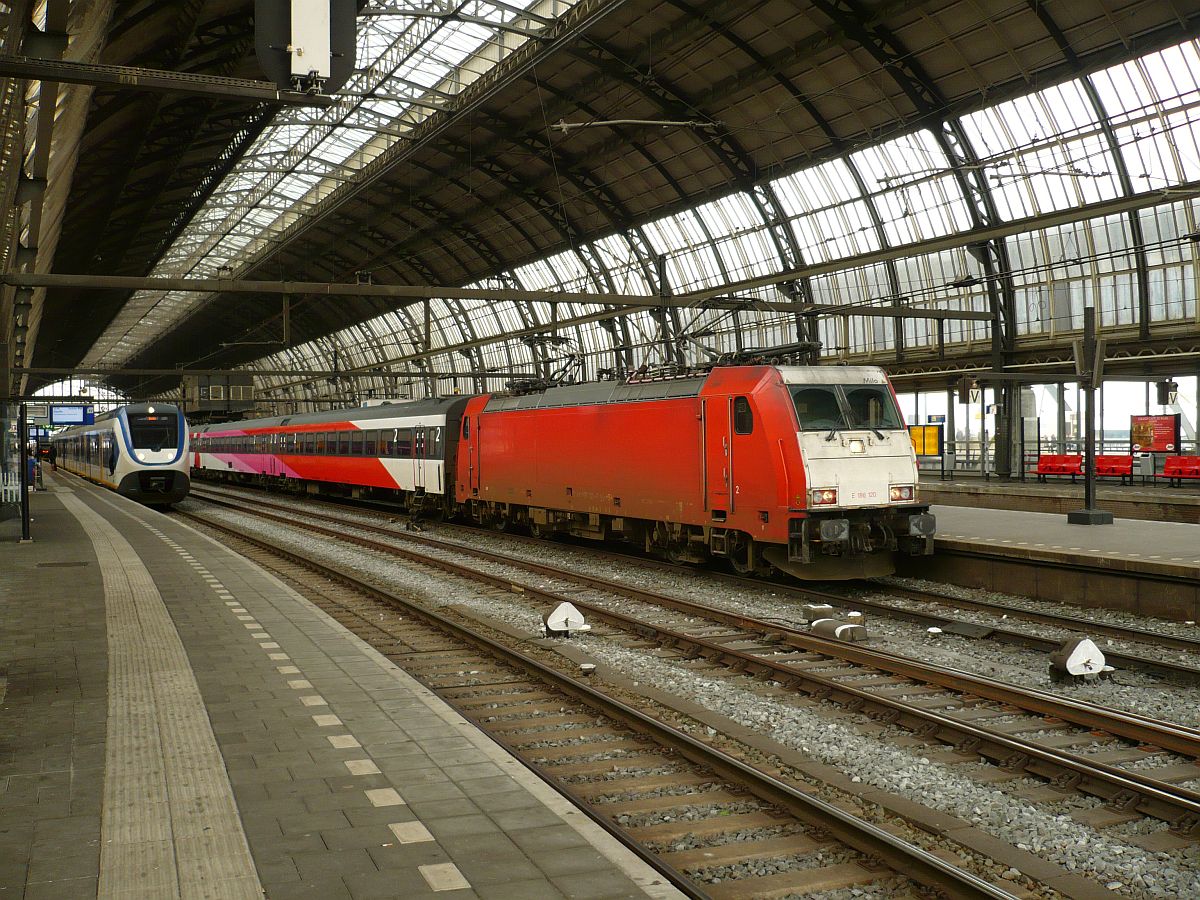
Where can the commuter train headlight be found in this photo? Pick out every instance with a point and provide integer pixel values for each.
(824, 496)
(899, 492)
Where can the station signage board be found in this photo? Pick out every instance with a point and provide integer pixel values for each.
(1154, 434)
(936, 418)
(926, 439)
(71, 415)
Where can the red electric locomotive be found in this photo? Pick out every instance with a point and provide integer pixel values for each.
(805, 469)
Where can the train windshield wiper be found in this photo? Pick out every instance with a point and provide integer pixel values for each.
(871, 428)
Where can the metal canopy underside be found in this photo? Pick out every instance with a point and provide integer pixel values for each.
(485, 184)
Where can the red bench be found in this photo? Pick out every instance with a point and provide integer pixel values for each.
(1114, 465)
(1177, 468)
(1059, 464)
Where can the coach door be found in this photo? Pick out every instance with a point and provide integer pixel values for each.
(418, 458)
(273, 448)
(718, 458)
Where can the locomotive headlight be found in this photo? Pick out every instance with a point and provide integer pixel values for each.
(857, 446)
(900, 492)
(824, 496)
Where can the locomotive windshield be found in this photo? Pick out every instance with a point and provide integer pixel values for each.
(154, 432)
(837, 407)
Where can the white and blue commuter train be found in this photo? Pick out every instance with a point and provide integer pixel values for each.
(140, 451)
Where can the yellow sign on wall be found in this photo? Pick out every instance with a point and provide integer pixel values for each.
(926, 439)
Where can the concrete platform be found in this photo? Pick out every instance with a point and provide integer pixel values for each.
(1158, 502)
(1147, 567)
(175, 722)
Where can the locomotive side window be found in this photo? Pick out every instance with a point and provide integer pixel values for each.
(466, 427)
(743, 416)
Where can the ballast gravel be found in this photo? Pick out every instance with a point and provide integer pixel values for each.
(1100, 855)
(1128, 690)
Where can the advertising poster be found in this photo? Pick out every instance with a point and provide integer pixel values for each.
(1154, 434)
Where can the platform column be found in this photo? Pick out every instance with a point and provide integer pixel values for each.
(1089, 515)
(23, 439)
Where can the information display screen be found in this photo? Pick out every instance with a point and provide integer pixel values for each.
(1154, 434)
(926, 439)
(68, 415)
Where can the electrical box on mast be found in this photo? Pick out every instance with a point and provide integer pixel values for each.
(306, 45)
(1168, 392)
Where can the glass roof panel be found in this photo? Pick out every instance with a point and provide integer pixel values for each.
(916, 193)
(1044, 152)
(408, 65)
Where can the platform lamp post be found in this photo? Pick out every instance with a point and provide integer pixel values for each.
(1092, 365)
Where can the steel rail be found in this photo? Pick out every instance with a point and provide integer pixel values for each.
(1122, 632)
(1169, 736)
(1020, 638)
(1159, 667)
(1178, 806)
(904, 858)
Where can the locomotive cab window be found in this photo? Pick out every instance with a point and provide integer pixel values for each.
(743, 416)
(872, 406)
(836, 407)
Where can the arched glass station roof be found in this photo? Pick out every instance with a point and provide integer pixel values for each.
(1085, 190)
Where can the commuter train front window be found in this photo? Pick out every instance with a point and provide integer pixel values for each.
(154, 432)
(839, 407)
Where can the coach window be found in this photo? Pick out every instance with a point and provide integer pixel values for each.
(343, 443)
(370, 442)
(435, 439)
(743, 417)
(356, 443)
(404, 439)
(319, 443)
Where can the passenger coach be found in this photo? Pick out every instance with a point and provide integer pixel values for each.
(139, 451)
(398, 450)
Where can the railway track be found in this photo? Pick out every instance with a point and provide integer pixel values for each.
(950, 706)
(999, 630)
(716, 825)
